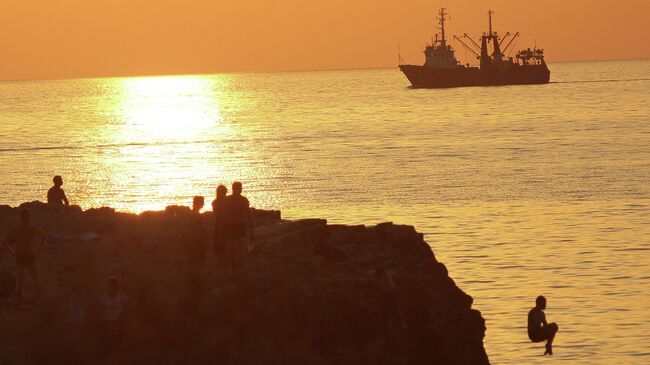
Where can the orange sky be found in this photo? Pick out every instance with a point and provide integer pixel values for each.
(81, 38)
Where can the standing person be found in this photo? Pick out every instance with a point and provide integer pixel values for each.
(218, 208)
(538, 329)
(56, 195)
(195, 241)
(111, 317)
(27, 240)
(393, 314)
(237, 220)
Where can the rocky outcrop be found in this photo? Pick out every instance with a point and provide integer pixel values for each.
(307, 293)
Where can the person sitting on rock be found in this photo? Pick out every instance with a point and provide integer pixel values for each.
(538, 329)
(27, 240)
(218, 208)
(56, 195)
(195, 240)
(237, 220)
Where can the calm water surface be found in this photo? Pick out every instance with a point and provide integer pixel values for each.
(520, 190)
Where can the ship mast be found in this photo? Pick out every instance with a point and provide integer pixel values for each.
(490, 12)
(441, 19)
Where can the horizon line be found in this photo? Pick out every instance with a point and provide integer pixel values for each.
(269, 72)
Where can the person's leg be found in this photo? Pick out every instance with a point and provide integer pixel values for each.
(250, 245)
(187, 250)
(203, 253)
(550, 331)
(196, 255)
(218, 242)
(237, 255)
(36, 277)
(20, 281)
(217, 246)
(228, 255)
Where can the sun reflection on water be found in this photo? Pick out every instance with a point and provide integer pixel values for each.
(166, 129)
(168, 108)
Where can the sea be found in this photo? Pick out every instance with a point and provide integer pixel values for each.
(520, 190)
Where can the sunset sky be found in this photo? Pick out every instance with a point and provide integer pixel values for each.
(74, 38)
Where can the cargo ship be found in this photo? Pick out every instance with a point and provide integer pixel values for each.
(441, 69)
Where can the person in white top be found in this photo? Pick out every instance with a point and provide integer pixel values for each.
(112, 305)
(112, 302)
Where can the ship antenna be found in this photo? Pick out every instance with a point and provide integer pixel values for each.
(490, 12)
(443, 42)
(400, 60)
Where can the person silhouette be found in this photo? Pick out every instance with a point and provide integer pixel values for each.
(237, 220)
(393, 314)
(56, 195)
(27, 240)
(538, 329)
(195, 242)
(110, 332)
(218, 208)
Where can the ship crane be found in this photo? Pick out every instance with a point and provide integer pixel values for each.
(503, 39)
(478, 56)
(474, 43)
(510, 43)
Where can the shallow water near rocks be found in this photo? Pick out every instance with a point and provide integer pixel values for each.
(520, 190)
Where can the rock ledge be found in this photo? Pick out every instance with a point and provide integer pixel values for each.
(307, 294)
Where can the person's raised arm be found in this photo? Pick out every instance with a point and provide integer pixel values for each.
(249, 222)
(542, 316)
(43, 235)
(65, 199)
(6, 241)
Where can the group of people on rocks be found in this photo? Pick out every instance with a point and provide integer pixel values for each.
(233, 237)
(233, 222)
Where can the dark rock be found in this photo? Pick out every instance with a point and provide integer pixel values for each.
(33, 206)
(330, 253)
(308, 294)
(74, 209)
(178, 210)
(5, 209)
(266, 217)
(102, 212)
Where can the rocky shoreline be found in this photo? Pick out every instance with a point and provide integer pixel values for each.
(306, 294)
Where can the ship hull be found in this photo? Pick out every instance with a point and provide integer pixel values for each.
(432, 77)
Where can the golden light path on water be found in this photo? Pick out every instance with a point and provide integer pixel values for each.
(163, 130)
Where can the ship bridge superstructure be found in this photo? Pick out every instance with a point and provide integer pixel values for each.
(438, 53)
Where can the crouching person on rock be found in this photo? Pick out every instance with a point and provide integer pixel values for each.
(538, 329)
